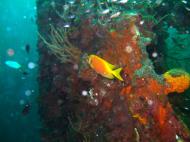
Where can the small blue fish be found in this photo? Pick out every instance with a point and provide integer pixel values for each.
(13, 64)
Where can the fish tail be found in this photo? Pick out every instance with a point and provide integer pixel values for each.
(116, 73)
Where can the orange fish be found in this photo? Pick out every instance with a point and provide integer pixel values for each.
(104, 68)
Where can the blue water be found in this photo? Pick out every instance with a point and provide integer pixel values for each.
(18, 28)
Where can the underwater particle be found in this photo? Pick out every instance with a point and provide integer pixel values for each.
(28, 93)
(170, 121)
(49, 19)
(35, 8)
(154, 54)
(84, 93)
(186, 108)
(71, 2)
(31, 65)
(150, 102)
(141, 22)
(108, 85)
(128, 49)
(87, 11)
(71, 16)
(66, 26)
(163, 4)
(24, 17)
(13, 64)
(10, 52)
(115, 15)
(123, 1)
(21, 102)
(106, 11)
(96, 94)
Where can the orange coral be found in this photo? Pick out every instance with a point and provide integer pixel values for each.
(177, 80)
(126, 90)
(155, 87)
(161, 115)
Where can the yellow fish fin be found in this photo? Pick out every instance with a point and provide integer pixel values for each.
(110, 66)
(116, 73)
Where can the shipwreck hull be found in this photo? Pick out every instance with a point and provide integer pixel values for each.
(76, 104)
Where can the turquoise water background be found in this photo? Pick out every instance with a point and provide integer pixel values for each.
(18, 28)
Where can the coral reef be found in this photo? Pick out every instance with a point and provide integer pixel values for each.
(140, 102)
(77, 104)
